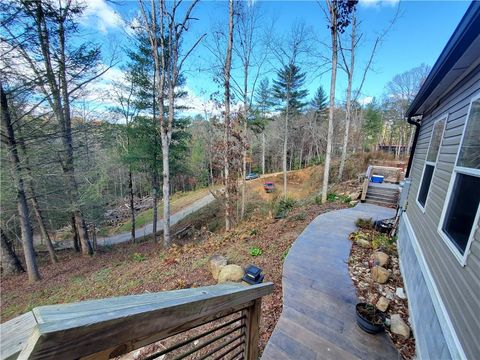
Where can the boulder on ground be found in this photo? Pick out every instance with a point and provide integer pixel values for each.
(230, 273)
(380, 258)
(382, 304)
(216, 263)
(399, 327)
(380, 274)
(363, 243)
(355, 195)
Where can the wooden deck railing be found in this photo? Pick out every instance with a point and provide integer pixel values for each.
(391, 174)
(216, 322)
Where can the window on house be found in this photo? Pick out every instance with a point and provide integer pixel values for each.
(430, 161)
(461, 210)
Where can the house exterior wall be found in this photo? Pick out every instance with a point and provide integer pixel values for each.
(454, 290)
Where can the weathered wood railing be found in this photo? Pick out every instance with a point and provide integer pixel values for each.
(214, 322)
(368, 175)
(391, 174)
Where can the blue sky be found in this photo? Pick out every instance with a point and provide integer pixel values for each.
(418, 36)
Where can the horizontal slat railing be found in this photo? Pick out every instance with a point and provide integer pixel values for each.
(205, 321)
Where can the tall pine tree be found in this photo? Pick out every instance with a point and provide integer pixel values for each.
(288, 90)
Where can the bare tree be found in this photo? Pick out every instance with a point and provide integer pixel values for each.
(9, 260)
(227, 121)
(245, 47)
(38, 34)
(165, 32)
(124, 95)
(22, 205)
(338, 19)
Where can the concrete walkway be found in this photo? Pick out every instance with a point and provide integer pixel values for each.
(318, 317)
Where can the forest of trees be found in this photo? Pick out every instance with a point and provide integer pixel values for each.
(66, 159)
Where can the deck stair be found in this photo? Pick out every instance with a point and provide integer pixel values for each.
(386, 195)
(383, 194)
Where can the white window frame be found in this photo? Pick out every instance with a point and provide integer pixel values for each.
(467, 171)
(432, 163)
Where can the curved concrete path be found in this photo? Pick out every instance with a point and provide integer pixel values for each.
(318, 317)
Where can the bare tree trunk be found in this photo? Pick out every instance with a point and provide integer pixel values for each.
(166, 136)
(35, 203)
(333, 32)
(155, 208)
(285, 149)
(348, 110)
(43, 229)
(76, 240)
(227, 69)
(132, 203)
(9, 260)
(263, 152)
(23, 211)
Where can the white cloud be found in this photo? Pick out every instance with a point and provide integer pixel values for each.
(101, 15)
(378, 3)
(366, 100)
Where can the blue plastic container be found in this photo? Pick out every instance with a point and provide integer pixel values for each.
(377, 179)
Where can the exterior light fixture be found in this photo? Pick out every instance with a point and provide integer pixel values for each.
(253, 275)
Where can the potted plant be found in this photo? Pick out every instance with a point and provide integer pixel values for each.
(369, 318)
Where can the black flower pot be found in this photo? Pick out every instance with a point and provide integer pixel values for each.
(369, 318)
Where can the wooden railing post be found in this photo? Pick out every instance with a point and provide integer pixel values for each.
(252, 323)
(366, 182)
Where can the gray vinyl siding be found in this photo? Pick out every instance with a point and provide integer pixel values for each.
(429, 337)
(459, 287)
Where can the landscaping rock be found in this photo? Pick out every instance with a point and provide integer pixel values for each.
(380, 274)
(354, 195)
(230, 273)
(380, 258)
(363, 243)
(382, 304)
(217, 262)
(399, 327)
(400, 293)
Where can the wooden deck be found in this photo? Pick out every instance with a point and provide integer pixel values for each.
(318, 318)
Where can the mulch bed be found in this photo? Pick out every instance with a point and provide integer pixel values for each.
(370, 292)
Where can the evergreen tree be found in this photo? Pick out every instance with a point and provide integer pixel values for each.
(287, 89)
(264, 100)
(319, 101)
(372, 126)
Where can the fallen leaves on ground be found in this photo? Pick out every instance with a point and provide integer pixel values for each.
(115, 271)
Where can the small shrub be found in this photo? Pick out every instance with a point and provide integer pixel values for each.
(331, 197)
(285, 253)
(318, 199)
(256, 251)
(253, 232)
(366, 224)
(383, 242)
(138, 257)
(298, 217)
(283, 207)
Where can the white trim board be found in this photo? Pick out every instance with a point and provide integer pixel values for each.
(453, 342)
(444, 118)
(462, 258)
